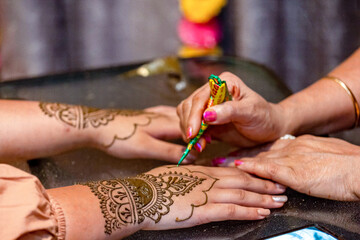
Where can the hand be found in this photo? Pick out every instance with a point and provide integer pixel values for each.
(194, 195)
(140, 134)
(246, 121)
(320, 167)
(164, 198)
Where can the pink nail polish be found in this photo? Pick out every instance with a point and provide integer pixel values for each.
(189, 132)
(198, 147)
(238, 162)
(209, 115)
(207, 138)
(218, 160)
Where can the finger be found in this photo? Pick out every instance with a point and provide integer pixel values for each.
(234, 84)
(247, 182)
(164, 128)
(184, 108)
(222, 212)
(198, 106)
(200, 145)
(228, 161)
(157, 149)
(221, 114)
(246, 198)
(223, 161)
(183, 113)
(266, 168)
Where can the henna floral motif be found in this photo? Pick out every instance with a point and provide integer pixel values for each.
(131, 200)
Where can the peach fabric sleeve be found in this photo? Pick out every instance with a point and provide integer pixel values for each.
(26, 210)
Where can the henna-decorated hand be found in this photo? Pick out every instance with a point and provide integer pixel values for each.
(142, 134)
(246, 121)
(321, 167)
(124, 133)
(177, 197)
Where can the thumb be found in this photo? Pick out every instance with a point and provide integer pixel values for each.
(220, 114)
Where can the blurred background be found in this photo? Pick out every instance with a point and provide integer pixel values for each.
(299, 40)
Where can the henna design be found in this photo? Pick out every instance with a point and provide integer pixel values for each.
(82, 117)
(193, 206)
(131, 200)
(116, 137)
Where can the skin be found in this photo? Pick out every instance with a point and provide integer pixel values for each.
(214, 196)
(249, 120)
(242, 121)
(317, 166)
(323, 168)
(32, 129)
(51, 129)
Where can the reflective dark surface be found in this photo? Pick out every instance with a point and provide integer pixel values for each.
(166, 82)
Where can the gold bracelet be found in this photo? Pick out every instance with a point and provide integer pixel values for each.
(355, 103)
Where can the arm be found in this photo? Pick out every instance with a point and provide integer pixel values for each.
(164, 198)
(325, 107)
(38, 129)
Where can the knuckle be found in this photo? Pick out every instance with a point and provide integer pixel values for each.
(244, 179)
(203, 217)
(268, 186)
(241, 195)
(231, 211)
(272, 169)
(196, 98)
(267, 200)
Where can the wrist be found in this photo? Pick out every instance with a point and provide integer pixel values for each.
(284, 120)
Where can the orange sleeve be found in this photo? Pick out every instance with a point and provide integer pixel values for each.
(26, 210)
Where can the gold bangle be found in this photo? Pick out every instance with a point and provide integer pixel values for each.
(355, 103)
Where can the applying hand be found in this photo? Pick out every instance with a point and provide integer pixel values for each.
(317, 166)
(246, 121)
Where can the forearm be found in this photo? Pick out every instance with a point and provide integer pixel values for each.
(28, 131)
(325, 106)
(83, 215)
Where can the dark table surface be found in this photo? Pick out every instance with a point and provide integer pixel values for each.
(167, 81)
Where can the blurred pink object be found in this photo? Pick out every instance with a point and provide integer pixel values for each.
(200, 35)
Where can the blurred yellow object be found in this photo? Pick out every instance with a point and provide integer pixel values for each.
(188, 52)
(201, 11)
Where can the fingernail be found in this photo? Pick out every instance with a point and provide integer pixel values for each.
(187, 161)
(209, 115)
(279, 198)
(189, 132)
(207, 138)
(218, 160)
(198, 147)
(263, 212)
(190, 157)
(238, 162)
(280, 186)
